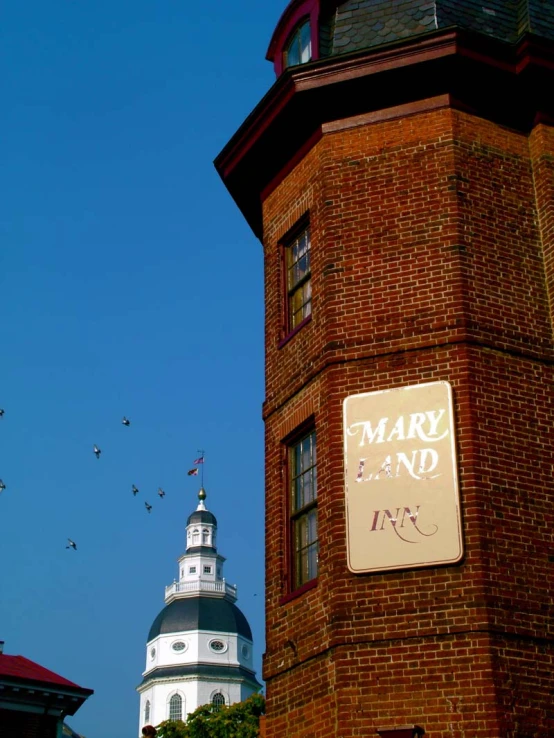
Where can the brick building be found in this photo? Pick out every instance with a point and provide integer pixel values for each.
(34, 701)
(400, 175)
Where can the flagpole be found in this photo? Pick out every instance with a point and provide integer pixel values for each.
(201, 452)
(194, 471)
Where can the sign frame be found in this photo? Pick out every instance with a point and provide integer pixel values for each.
(402, 497)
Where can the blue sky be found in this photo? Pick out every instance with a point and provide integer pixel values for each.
(131, 285)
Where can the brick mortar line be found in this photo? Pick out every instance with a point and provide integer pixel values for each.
(378, 355)
(539, 640)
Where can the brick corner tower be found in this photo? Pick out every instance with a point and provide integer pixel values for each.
(400, 175)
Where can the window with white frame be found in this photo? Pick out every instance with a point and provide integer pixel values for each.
(176, 707)
(218, 701)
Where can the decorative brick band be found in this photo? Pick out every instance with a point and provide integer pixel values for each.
(398, 111)
(297, 417)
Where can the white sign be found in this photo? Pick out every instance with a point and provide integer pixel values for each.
(402, 501)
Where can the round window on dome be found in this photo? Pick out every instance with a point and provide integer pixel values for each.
(179, 646)
(152, 653)
(245, 652)
(218, 646)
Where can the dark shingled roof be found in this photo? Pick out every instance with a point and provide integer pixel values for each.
(201, 670)
(202, 516)
(200, 613)
(360, 24)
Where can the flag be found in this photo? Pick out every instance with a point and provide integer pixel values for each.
(199, 460)
(192, 472)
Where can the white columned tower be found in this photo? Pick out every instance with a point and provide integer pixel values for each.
(199, 648)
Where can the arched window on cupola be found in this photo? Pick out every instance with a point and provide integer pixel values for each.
(205, 537)
(299, 47)
(147, 712)
(218, 701)
(176, 707)
(195, 537)
(296, 38)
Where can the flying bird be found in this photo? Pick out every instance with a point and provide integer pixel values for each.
(147, 506)
(2, 486)
(161, 493)
(125, 421)
(135, 491)
(72, 544)
(97, 451)
(2, 412)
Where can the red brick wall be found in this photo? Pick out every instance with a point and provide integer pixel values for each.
(430, 235)
(16, 724)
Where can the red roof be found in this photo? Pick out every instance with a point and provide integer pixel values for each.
(22, 668)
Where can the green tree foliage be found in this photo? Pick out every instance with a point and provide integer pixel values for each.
(240, 720)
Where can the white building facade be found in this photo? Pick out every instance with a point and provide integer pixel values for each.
(199, 648)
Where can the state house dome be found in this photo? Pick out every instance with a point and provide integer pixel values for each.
(200, 613)
(199, 649)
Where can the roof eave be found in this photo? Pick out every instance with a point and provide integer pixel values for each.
(307, 96)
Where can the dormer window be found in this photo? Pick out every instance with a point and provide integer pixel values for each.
(296, 38)
(299, 47)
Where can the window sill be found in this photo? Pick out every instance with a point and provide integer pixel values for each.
(293, 333)
(298, 592)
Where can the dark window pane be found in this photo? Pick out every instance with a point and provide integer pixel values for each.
(293, 54)
(298, 278)
(303, 476)
(299, 49)
(305, 43)
(176, 708)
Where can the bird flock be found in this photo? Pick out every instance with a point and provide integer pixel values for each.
(135, 490)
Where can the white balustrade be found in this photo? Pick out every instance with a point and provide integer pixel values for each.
(200, 585)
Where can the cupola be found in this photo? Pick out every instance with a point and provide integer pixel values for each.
(201, 526)
(199, 648)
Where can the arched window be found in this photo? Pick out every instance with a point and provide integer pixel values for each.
(195, 537)
(147, 712)
(205, 536)
(218, 701)
(296, 37)
(176, 707)
(299, 48)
